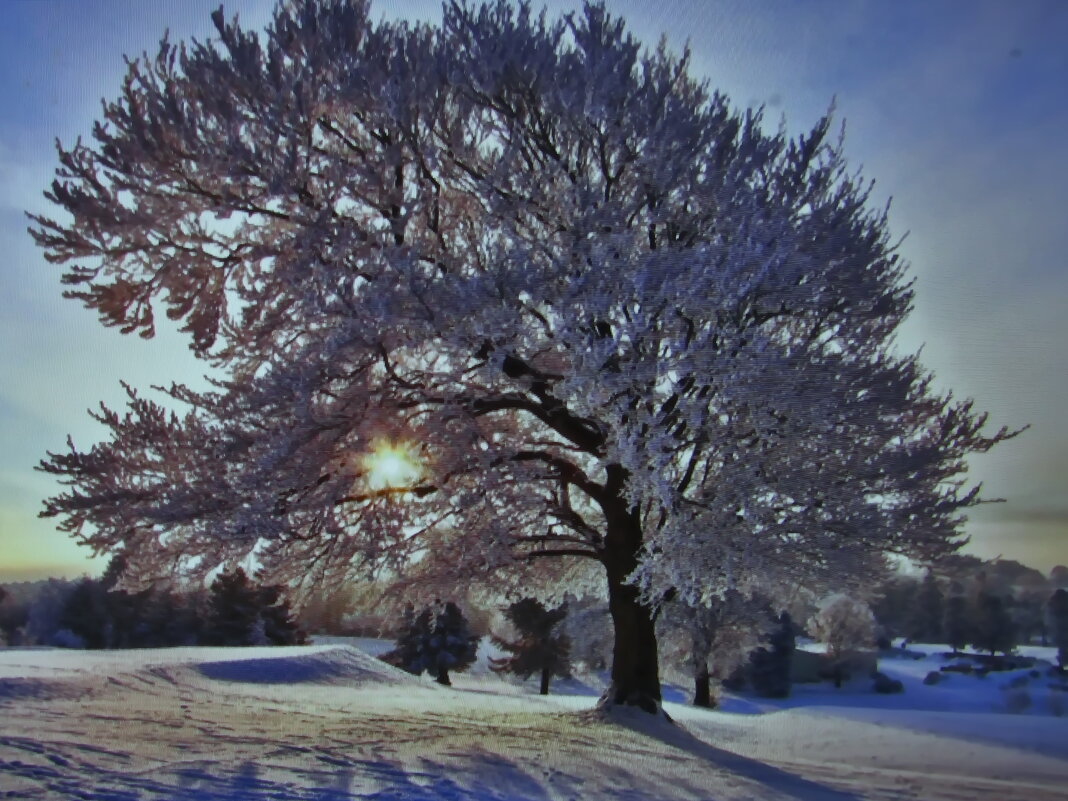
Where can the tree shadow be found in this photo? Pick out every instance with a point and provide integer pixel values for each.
(777, 779)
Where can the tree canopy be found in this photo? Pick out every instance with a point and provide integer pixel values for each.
(609, 316)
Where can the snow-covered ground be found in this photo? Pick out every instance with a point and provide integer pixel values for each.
(332, 722)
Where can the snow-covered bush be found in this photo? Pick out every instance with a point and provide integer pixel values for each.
(844, 624)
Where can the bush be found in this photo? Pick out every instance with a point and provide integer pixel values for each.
(886, 685)
(934, 677)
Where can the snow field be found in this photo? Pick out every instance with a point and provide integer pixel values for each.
(332, 722)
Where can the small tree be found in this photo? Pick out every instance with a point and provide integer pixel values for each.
(893, 604)
(769, 666)
(956, 626)
(1058, 624)
(715, 640)
(994, 630)
(436, 640)
(540, 648)
(844, 624)
(927, 611)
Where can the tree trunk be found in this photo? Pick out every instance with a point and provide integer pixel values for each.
(443, 677)
(635, 671)
(702, 694)
(545, 681)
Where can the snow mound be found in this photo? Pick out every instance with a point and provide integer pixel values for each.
(62, 674)
(337, 665)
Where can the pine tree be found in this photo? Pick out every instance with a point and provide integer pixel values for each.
(1058, 624)
(240, 613)
(956, 626)
(436, 640)
(279, 624)
(87, 614)
(927, 611)
(994, 629)
(769, 666)
(538, 650)
(412, 635)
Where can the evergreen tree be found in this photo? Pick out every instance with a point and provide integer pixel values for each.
(893, 605)
(279, 625)
(1058, 576)
(233, 610)
(927, 611)
(13, 616)
(452, 645)
(994, 630)
(769, 666)
(240, 613)
(1058, 624)
(436, 640)
(956, 628)
(87, 614)
(538, 650)
(412, 635)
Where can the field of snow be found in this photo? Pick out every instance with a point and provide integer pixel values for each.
(331, 722)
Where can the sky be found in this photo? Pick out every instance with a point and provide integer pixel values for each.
(956, 109)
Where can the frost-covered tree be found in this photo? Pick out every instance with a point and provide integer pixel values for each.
(540, 648)
(484, 294)
(844, 624)
(714, 640)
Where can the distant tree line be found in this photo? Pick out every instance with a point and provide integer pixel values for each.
(95, 613)
(964, 602)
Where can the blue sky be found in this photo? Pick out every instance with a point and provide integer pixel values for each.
(956, 109)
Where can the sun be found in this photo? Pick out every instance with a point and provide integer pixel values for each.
(391, 465)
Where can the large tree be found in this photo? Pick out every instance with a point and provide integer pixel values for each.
(608, 317)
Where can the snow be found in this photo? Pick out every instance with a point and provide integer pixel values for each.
(330, 721)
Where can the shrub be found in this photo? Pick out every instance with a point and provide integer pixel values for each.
(886, 685)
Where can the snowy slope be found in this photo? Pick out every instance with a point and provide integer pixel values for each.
(332, 722)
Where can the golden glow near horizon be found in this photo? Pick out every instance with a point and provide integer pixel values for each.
(391, 465)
